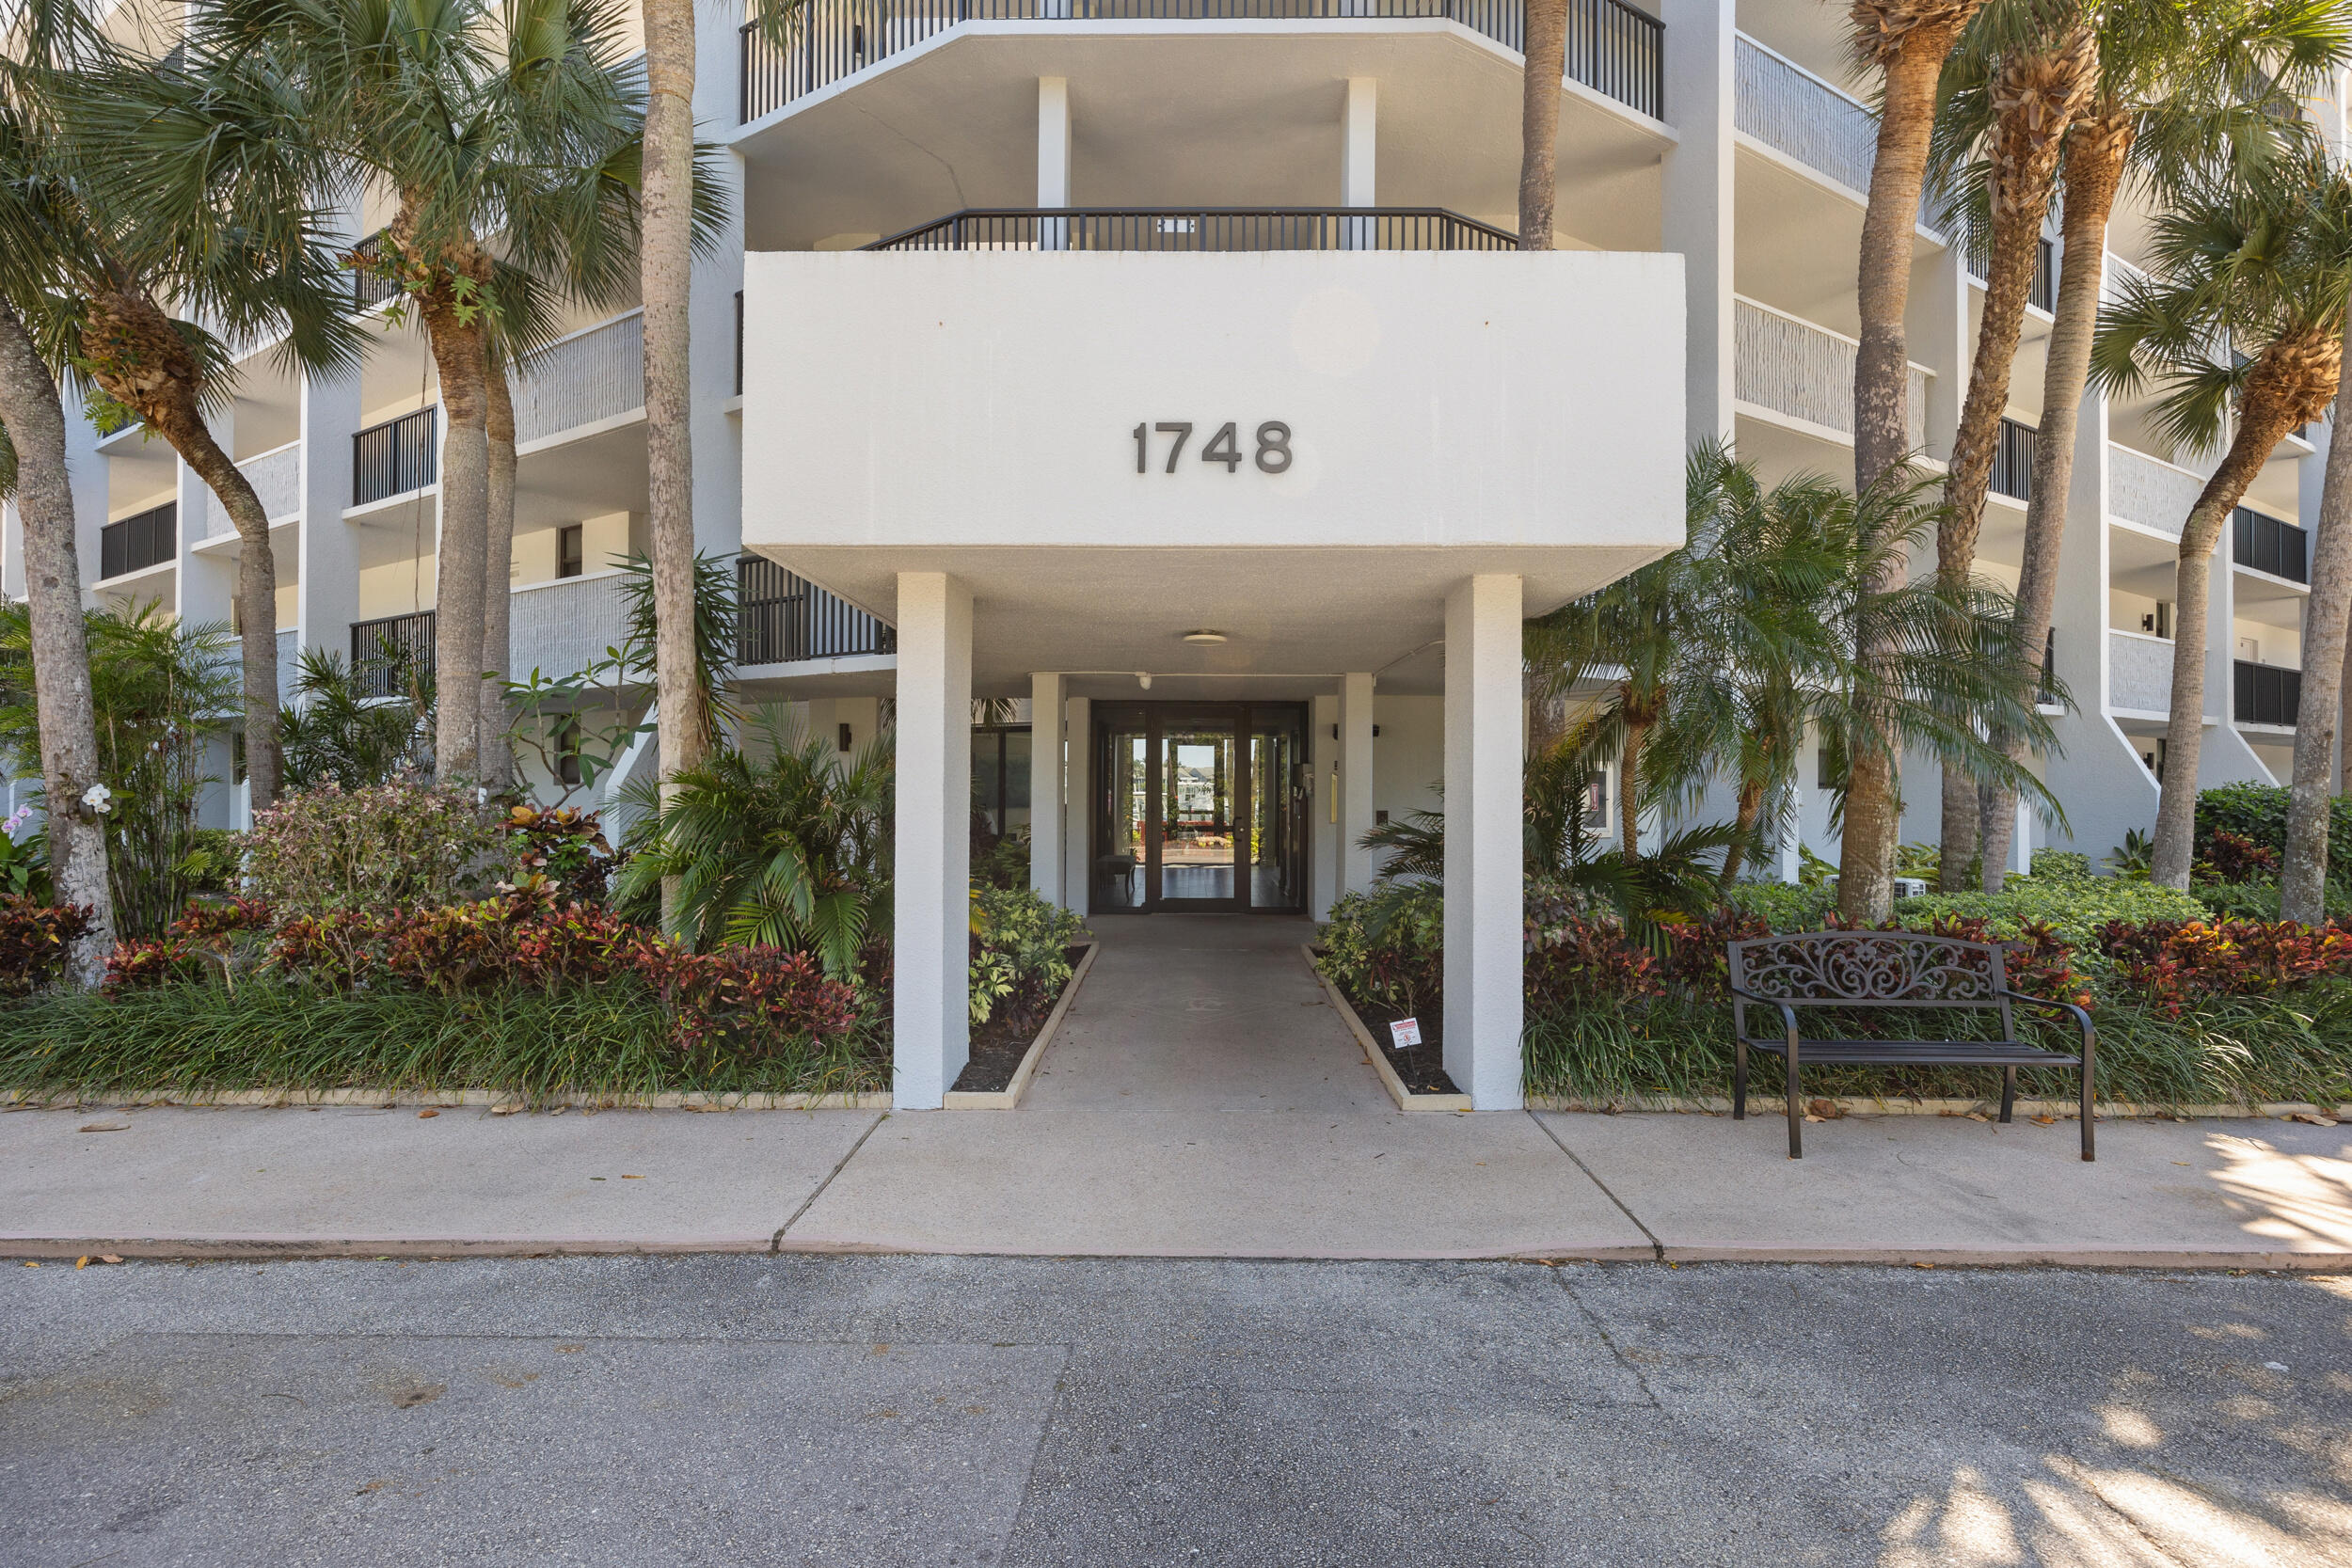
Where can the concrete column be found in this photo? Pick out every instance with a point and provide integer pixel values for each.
(328, 591)
(1695, 217)
(1940, 341)
(1324, 884)
(1485, 735)
(1053, 159)
(1077, 871)
(1046, 692)
(1355, 862)
(1360, 124)
(934, 852)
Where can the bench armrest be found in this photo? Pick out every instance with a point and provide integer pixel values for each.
(2082, 1020)
(1788, 1013)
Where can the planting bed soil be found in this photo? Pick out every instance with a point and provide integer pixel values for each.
(1421, 1066)
(998, 1045)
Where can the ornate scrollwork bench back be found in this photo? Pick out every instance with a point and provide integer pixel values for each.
(1891, 969)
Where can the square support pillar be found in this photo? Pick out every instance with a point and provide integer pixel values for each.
(1355, 863)
(1695, 217)
(1077, 875)
(1485, 735)
(930, 937)
(1045, 789)
(1359, 128)
(1323, 873)
(1053, 159)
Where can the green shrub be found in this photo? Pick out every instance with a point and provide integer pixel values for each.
(2060, 865)
(2238, 900)
(2075, 911)
(2259, 813)
(616, 1038)
(1783, 907)
(1019, 951)
(1005, 862)
(1389, 946)
(383, 848)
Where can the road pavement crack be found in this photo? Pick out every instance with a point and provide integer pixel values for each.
(775, 1242)
(1656, 1246)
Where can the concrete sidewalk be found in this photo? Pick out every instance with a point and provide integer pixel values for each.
(1081, 1179)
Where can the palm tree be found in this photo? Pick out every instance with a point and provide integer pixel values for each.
(509, 138)
(2241, 327)
(782, 845)
(2303, 875)
(1906, 41)
(1547, 59)
(2180, 87)
(32, 431)
(2021, 74)
(146, 309)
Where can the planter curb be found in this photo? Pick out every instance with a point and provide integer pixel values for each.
(1008, 1098)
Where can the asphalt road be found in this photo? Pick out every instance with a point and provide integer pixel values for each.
(941, 1410)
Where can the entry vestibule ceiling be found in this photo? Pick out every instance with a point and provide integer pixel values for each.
(953, 125)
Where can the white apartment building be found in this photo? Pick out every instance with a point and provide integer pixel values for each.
(1165, 365)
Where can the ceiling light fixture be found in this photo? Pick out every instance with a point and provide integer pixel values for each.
(1143, 679)
(1204, 636)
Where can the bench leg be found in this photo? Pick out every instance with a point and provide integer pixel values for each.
(2088, 1079)
(2008, 1091)
(1739, 1081)
(1796, 1111)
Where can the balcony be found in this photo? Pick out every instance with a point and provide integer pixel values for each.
(1613, 49)
(395, 457)
(404, 643)
(2265, 693)
(276, 479)
(2267, 545)
(2147, 491)
(783, 618)
(148, 539)
(289, 661)
(2043, 292)
(561, 627)
(1787, 107)
(1793, 367)
(370, 288)
(2139, 671)
(588, 377)
(1203, 229)
(2012, 462)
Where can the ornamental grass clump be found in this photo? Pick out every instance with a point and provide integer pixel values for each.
(384, 846)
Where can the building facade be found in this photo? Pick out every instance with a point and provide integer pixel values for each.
(1167, 372)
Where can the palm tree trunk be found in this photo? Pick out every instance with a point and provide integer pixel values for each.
(2303, 879)
(1751, 806)
(2036, 96)
(1910, 42)
(665, 261)
(2263, 422)
(2097, 148)
(1630, 786)
(1546, 44)
(496, 746)
(134, 351)
(458, 355)
(30, 407)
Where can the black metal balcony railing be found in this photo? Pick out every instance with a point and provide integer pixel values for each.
(368, 286)
(1613, 48)
(394, 457)
(2268, 545)
(137, 543)
(1203, 229)
(2012, 462)
(2043, 294)
(2045, 693)
(2267, 694)
(386, 654)
(780, 617)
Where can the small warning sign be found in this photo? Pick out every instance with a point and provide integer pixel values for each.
(1404, 1033)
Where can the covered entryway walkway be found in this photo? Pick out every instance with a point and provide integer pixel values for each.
(1204, 1013)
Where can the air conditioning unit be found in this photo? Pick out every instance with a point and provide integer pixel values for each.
(1911, 887)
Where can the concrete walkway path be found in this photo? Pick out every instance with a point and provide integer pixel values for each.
(1203, 1100)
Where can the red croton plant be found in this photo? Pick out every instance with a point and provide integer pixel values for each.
(2178, 962)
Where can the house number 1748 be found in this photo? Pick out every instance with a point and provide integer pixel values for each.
(1274, 445)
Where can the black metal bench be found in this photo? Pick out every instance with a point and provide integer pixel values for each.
(1888, 970)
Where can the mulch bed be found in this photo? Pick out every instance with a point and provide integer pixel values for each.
(998, 1045)
(1422, 1067)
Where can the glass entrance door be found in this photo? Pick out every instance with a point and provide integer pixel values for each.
(1200, 806)
(1201, 817)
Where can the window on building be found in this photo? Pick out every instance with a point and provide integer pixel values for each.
(571, 556)
(1000, 780)
(568, 749)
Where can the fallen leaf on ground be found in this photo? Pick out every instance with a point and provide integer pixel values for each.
(106, 1127)
(109, 1258)
(1978, 1115)
(625, 1177)
(504, 1110)
(1824, 1110)
(2046, 1122)
(1923, 1265)
(1816, 1118)
(81, 1262)
(417, 1394)
(423, 1114)
(31, 1265)
(2312, 1120)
